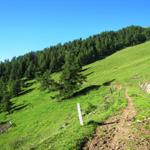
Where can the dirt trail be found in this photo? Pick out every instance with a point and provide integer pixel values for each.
(116, 133)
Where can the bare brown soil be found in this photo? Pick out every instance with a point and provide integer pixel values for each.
(4, 127)
(119, 133)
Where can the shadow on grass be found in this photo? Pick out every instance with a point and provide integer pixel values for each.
(107, 83)
(95, 123)
(91, 88)
(19, 107)
(86, 90)
(85, 69)
(26, 92)
(89, 74)
(26, 85)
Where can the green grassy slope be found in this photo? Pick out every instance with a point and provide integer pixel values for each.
(47, 124)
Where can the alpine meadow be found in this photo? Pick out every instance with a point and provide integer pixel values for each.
(74, 75)
(108, 74)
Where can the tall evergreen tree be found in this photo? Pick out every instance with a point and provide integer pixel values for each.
(30, 72)
(71, 78)
(47, 83)
(5, 103)
(14, 88)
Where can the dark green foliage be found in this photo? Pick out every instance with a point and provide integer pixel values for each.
(7, 91)
(89, 50)
(14, 88)
(5, 104)
(2, 88)
(30, 72)
(47, 83)
(53, 58)
(71, 78)
(15, 72)
(147, 33)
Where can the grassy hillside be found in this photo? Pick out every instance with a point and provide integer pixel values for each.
(44, 123)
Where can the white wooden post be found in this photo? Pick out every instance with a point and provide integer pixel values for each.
(79, 114)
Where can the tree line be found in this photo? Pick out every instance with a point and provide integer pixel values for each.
(70, 81)
(8, 90)
(89, 50)
(55, 59)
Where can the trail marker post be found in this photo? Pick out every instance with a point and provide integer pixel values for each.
(79, 114)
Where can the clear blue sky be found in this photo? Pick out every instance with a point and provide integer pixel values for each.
(27, 25)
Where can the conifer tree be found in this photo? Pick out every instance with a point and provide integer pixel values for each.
(5, 103)
(14, 88)
(47, 83)
(71, 78)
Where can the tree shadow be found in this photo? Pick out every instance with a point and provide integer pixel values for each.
(90, 88)
(108, 83)
(83, 91)
(19, 107)
(89, 74)
(26, 92)
(85, 69)
(86, 90)
(26, 85)
(25, 80)
(95, 123)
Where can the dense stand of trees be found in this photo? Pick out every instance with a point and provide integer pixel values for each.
(53, 58)
(70, 80)
(8, 90)
(47, 83)
(88, 50)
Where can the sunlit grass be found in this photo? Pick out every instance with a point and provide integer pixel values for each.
(46, 123)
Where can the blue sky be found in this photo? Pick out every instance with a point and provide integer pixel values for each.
(27, 25)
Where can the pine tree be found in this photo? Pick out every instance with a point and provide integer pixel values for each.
(71, 78)
(30, 72)
(47, 83)
(14, 88)
(5, 103)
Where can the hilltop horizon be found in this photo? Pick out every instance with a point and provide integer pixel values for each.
(62, 43)
(34, 25)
